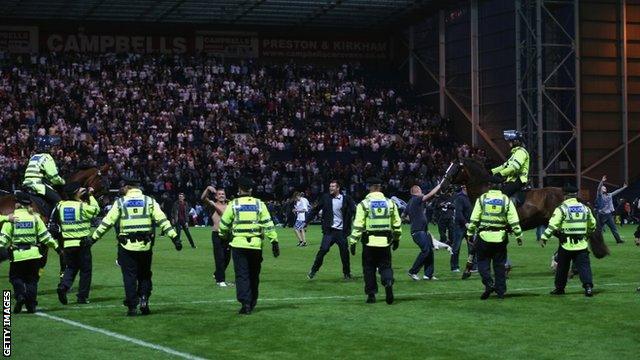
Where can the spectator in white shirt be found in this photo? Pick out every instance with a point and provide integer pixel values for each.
(301, 208)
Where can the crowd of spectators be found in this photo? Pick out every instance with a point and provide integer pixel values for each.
(183, 122)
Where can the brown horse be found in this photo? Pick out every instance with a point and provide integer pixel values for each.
(536, 209)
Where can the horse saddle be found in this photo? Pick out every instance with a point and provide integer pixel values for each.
(39, 203)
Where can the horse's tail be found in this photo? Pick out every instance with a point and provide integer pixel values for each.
(598, 246)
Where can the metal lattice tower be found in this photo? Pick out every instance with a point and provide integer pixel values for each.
(548, 87)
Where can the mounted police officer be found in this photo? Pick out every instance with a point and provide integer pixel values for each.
(246, 222)
(24, 239)
(41, 168)
(515, 170)
(378, 225)
(492, 218)
(572, 222)
(136, 216)
(73, 218)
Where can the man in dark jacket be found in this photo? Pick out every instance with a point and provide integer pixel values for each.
(462, 214)
(337, 215)
(180, 218)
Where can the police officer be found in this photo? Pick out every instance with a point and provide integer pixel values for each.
(247, 223)
(493, 216)
(572, 222)
(378, 225)
(445, 220)
(461, 217)
(135, 216)
(42, 167)
(73, 218)
(515, 170)
(23, 238)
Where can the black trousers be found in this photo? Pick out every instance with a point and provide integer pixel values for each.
(380, 258)
(510, 188)
(328, 239)
(51, 195)
(247, 264)
(581, 261)
(496, 254)
(221, 256)
(185, 227)
(24, 277)
(445, 230)
(136, 274)
(78, 260)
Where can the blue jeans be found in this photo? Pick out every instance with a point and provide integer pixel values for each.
(425, 257)
(607, 219)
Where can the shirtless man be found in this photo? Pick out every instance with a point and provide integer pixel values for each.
(221, 250)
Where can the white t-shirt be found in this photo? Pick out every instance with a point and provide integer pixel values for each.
(301, 208)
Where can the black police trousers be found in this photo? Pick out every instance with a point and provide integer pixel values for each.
(136, 274)
(446, 230)
(510, 188)
(380, 258)
(329, 238)
(78, 260)
(221, 256)
(496, 254)
(580, 260)
(24, 277)
(247, 264)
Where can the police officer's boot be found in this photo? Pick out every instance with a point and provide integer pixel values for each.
(388, 291)
(588, 291)
(62, 295)
(557, 291)
(487, 291)
(144, 305)
(245, 309)
(467, 270)
(371, 299)
(132, 311)
(31, 307)
(17, 309)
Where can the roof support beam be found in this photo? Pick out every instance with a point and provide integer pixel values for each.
(170, 11)
(248, 10)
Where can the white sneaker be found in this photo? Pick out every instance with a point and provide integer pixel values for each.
(425, 277)
(456, 270)
(222, 284)
(414, 276)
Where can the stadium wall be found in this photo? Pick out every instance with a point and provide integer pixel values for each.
(602, 77)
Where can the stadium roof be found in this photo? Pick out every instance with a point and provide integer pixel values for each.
(319, 14)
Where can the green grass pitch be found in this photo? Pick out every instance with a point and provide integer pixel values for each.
(326, 318)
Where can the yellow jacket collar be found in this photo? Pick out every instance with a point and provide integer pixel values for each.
(133, 192)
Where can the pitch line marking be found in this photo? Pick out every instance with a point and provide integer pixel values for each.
(121, 337)
(334, 297)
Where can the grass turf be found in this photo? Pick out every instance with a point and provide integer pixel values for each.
(327, 317)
